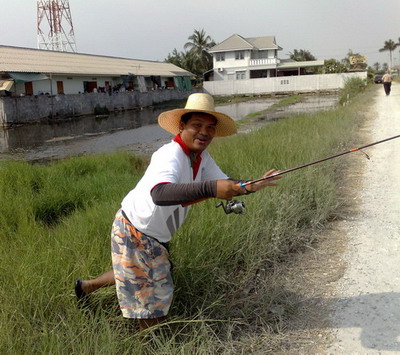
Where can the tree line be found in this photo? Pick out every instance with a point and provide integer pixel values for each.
(196, 59)
(390, 46)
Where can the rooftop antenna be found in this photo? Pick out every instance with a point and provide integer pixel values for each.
(54, 26)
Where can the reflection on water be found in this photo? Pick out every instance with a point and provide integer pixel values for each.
(35, 135)
(240, 110)
(307, 104)
(312, 104)
(93, 135)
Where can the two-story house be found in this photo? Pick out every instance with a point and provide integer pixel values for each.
(239, 58)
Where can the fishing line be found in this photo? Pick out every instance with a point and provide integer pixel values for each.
(238, 207)
(359, 149)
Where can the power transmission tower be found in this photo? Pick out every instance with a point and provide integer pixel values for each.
(54, 26)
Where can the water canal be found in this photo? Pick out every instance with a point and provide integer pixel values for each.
(133, 130)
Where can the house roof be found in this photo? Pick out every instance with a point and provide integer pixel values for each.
(237, 42)
(29, 60)
(267, 42)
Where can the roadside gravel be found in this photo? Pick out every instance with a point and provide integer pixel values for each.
(366, 318)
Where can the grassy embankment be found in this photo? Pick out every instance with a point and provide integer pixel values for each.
(55, 222)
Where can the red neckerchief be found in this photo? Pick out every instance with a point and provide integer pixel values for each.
(195, 158)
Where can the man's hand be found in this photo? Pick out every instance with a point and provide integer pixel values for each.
(264, 183)
(227, 189)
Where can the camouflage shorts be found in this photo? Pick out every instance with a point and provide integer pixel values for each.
(142, 271)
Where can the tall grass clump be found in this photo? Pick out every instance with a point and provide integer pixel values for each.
(352, 87)
(54, 228)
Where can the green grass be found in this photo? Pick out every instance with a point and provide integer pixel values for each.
(352, 88)
(55, 222)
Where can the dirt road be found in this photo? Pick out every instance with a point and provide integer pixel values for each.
(366, 316)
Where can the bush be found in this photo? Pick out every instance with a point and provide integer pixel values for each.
(352, 87)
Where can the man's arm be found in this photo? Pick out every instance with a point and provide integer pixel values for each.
(167, 194)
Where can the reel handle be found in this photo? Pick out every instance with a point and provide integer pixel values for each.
(233, 206)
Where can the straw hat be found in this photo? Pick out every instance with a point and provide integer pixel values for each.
(170, 120)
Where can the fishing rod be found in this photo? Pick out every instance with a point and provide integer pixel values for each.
(251, 182)
(238, 207)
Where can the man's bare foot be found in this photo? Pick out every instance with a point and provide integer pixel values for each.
(87, 286)
(81, 295)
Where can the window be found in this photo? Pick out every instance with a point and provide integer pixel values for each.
(220, 57)
(263, 54)
(241, 75)
(239, 55)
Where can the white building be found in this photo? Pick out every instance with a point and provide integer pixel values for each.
(238, 58)
(26, 71)
(251, 66)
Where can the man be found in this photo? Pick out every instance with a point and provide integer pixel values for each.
(180, 173)
(387, 83)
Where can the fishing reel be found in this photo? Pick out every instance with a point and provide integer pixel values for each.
(233, 206)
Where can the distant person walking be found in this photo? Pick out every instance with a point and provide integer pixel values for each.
(387, 83)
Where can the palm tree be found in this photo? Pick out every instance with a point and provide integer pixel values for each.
(376, 66)
(189, 62)
(390, 46)
(398, 45)
(199, 43)
(175, 58)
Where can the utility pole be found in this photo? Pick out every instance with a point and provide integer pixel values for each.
(54, 26)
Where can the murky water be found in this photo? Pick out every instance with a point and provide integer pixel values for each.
(135, 130)
(308, 104)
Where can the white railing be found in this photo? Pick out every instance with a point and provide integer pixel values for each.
(264, 61)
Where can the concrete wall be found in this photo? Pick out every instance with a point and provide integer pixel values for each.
(72, 86)
(302, 83)
(16, 110)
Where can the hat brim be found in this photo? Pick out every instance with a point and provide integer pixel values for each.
(170, 121)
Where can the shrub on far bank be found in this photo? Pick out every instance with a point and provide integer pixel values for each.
(352, 88)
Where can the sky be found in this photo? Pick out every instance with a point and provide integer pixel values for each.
(151, 29)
